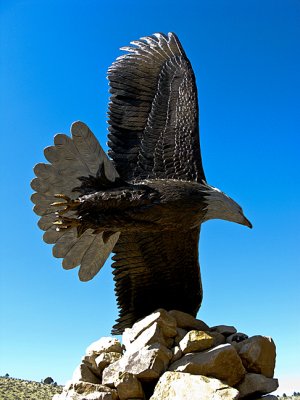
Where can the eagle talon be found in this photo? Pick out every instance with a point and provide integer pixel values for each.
(68, 204)
(62, 196)
(66, 222)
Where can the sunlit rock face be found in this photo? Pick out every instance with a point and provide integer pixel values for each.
(174, 356)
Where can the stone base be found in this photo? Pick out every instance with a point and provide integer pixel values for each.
(173, 356)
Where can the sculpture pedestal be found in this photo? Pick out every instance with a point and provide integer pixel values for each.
(173, 356)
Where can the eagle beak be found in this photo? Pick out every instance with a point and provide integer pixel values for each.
(246, 222)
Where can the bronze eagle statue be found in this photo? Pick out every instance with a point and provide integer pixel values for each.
(145, 203)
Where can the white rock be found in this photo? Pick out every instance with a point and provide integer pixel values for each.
(104, 345)
(105, 359)
(88, 391)
(221, 362)
(179, 386)
(165, 321)
(196, 341)
(152, 334)
(146, 364)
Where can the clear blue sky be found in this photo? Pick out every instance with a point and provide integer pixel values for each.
(245, 54)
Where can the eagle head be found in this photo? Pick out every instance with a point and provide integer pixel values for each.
(221, 206)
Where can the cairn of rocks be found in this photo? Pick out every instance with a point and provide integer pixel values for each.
(174, 356)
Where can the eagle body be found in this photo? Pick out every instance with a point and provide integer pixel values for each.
(145, 203)
(153, 205)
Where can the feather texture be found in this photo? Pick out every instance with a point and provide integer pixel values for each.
(71, 158)
(96, 255)
(153, 112)
(156, 270)
(147, 204)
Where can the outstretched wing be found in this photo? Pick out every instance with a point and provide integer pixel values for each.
(153, 112)
(157, 270)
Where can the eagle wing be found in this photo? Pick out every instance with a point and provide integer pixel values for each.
(157, 270)
(154, 133)
(153, 112)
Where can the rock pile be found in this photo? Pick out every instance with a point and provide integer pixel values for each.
(173, 356)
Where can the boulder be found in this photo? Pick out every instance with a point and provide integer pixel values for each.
(225, 330)
(87, 391)
(187, 321)
(172, 355)
(104, 345)
(164, 320)
(221, 362)
(236, 338)
(180, 335)
(218, 338)
(152, 334)
(146, 364)
(196, 341)
(84, 374)
(177, 354)
(258, 354)
(256, 384)
(129, 387)
(97, 363)
(179, 386)
(89, 361)
(105, 359)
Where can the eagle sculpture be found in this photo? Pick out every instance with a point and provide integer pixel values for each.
(145, 203)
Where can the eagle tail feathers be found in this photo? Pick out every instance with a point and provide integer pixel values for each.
(70, 160)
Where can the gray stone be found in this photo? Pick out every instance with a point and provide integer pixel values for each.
(225, 330)
(104, 345)
(84, 374)
(129, 387)
(218, 338)
(179, 386)
(258, 354)
(169, 342)
(221, 362)
(268, 397)
(187, 321)
(152, 334)
(180, 335)
(105, 359)
(196, 341)
(88, 391)
(177, 354)
(146, 364)
(236, 338)
(256, 384)
(166, 323)
(89, 361)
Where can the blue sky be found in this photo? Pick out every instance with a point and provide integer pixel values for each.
(54, 58)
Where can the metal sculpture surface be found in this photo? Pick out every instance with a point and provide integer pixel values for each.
(147, 203)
